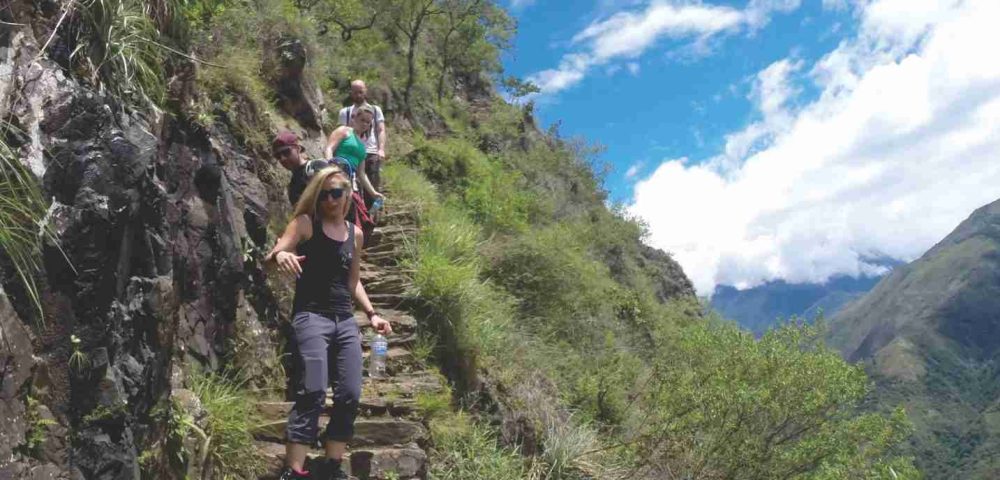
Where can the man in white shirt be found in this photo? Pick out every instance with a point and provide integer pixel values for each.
(375, 139)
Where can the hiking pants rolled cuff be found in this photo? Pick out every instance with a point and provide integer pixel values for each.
(329, 351)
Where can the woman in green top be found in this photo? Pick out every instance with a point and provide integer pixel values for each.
(345, 143)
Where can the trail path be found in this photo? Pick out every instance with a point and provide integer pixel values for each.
(389, 437)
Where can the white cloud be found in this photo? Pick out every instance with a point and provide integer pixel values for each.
(519, 4)
(900, 146)
(633, 68)
(628, 34)
(633, 170)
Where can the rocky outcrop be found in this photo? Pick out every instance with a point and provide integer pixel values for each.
(157, 225)
(297, 95)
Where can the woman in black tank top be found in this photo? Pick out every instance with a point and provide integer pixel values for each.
(321, 249)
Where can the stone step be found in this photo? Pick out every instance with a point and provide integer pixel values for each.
(395, 339)
(407, 462)
(402, 462)
(388, 300)
(401, 322)
(368, 431)
(388, 284)
(400, 215)
(394, 233)
(387, 431)
(398, 360)
(395, 396)
(397, 246)
(383, 259)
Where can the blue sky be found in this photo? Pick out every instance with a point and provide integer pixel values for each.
(677, 103)
(777, 139)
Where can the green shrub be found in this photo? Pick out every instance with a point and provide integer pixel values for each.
(563, 291)
(721, 402)
(231, 416)
(463, 450)
(494, 196)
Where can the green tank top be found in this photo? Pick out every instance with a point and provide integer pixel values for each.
(351, 149)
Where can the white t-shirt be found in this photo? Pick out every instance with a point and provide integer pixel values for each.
(371, 141)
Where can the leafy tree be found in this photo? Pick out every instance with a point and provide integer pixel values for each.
(468, 36)
(349, 16)
(409, 17)
(517, 88)
(720, 404)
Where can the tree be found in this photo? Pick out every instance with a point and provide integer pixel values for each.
(468, 37)
(349, 15)
(409, 18)
(517, 88)
(724, 405)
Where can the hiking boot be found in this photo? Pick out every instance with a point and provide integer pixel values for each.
(333, 471)
(289, 474)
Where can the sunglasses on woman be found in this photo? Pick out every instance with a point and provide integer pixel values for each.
(334, 193)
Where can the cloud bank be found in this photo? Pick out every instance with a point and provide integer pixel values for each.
(626, 35)
(902, 143)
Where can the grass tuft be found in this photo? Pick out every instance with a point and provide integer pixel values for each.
(464, 449)
(123, 53)
(21, 211)
(230, 420)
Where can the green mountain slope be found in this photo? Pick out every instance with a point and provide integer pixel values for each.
(930, 334)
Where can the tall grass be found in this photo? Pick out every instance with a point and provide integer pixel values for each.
(230, 420)
(21, 211)
(122, 49)
(463, 449)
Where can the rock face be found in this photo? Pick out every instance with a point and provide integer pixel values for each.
(158, 224)
(296, 94)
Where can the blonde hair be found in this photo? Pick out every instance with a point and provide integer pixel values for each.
(307, 202)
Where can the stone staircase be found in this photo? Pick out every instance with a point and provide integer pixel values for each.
(389, 437)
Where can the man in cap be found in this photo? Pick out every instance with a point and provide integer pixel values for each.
(288, 153)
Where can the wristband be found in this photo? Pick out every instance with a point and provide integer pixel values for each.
(371, 314)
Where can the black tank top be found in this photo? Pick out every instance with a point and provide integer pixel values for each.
(322, 288)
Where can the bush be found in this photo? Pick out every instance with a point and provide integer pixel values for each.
(463, 450)
(724, 405)
(494, 196)
(231, 416)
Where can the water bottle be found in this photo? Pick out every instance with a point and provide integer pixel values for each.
(376, 205)
(376, 365)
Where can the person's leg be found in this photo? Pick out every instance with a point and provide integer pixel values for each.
(347, 393)
(373, 168)
(313, 334)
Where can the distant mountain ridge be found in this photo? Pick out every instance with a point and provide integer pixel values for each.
(930, 334)
(759, 308)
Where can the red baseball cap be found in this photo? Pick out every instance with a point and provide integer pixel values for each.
(285, 139)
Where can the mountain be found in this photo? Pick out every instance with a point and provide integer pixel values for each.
(930, 335)
(759, 308)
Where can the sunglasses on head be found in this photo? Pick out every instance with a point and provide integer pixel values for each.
(334, 193)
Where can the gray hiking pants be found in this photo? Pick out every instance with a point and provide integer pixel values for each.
(329, 350)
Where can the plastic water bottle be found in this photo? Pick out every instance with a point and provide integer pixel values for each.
(376, 205)
(376, 365)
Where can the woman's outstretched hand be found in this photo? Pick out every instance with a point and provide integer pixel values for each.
(290, 263)
(381, 325)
